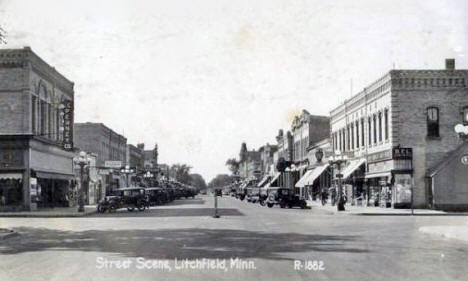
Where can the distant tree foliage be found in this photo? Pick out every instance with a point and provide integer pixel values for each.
(181, 173)
(2, 36)
(197, 181)
(233, 165)
(221, 180)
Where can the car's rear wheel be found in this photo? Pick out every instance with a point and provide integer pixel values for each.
(270, 205)
(130, 209)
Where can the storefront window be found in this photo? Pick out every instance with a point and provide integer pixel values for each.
(11, 192)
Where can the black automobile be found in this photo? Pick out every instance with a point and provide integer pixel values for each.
(156, 196)
(285, 197)
(128, 197)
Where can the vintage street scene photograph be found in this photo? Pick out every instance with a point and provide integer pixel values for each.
(205, 140)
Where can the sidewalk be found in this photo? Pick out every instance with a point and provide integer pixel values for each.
(52, 212)
(377, 211)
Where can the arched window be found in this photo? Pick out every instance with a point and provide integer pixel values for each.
(433, 122)
(352, 136)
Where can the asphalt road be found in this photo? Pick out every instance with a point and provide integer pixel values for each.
(263, 243)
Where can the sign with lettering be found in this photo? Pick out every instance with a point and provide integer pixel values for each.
(402, 153)
(113, 164)
(67, 125)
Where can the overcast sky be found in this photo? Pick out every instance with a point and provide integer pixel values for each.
(200, 77)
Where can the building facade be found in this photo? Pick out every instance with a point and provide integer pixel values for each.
(107, 145)
(135, 157)
(35, 161)
(396, 130)
(306, 130)
(250, 163)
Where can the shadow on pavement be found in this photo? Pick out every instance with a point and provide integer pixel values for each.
(178, 243)
(176, 212)
(188, 201)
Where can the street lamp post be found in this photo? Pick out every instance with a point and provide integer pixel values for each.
(82, 161)
(338, 163)
(126, 171)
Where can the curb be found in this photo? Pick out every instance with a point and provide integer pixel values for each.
(9, 234)
(399, 214)
(32, 215)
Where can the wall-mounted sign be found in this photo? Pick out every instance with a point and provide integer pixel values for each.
(464, 159)
(402, 153)
(67, 125)
(113, 164)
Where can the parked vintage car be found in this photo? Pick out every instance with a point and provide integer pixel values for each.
(253, 194)
(285, 197)
(128, 197)
(263, 196)
(156, 196)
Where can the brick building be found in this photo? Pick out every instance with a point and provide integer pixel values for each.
(250, 163)
(35, 163)
(397, 130)
(135, 157)
(107, 145)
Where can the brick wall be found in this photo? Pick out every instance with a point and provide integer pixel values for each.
(409, 118)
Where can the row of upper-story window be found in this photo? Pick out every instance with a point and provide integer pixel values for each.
(374, 129)
(300, 148)
(46, 119)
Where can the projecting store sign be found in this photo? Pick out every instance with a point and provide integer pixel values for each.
(68, 125)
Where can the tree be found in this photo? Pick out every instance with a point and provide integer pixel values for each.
(221, 180)
(180, 172)
(2, 36)
(233, 165)
(197, 181)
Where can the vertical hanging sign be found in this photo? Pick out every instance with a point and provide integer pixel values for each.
(68, 125)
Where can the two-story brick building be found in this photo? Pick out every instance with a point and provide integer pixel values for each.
(397, 130)
(35, 161)
(107, 145)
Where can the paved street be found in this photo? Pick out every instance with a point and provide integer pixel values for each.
(350, 247)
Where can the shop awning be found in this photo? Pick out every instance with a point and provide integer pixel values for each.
(54, 176)
(303, 181)
(353, 166)
(378, 175)
(275, 178)
(14, 176)
(316, 173)
(263, 181)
